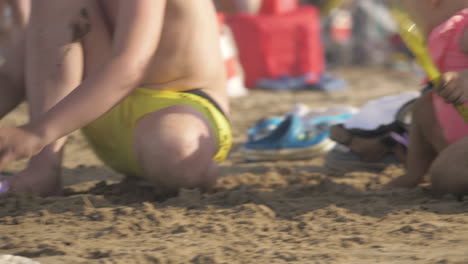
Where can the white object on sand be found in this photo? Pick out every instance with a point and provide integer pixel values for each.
(235, 76)
(10, 259)
(380, 112)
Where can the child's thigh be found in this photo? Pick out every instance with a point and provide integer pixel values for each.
(425, 121)
(449, 172)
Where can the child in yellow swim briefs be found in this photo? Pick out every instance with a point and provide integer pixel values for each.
(118, 126)
(170, 132)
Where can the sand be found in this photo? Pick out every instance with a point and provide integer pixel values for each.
(283, 212)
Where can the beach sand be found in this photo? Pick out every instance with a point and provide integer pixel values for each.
(270, 212)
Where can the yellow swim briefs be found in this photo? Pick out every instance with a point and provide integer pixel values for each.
(111, 136)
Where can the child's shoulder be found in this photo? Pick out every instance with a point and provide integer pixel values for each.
(448, 43)
(461, 29)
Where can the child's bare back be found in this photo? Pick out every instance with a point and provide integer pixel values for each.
(190, 28)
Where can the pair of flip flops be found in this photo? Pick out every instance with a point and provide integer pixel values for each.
(300, 134)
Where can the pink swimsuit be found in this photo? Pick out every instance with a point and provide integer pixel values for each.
(444, 45)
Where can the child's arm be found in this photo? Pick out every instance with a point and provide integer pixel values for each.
(464, 42)
(137, 34)
(138, 29)
(454, 85)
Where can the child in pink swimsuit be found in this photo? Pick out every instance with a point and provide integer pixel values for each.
(444, 45)
(438, 137)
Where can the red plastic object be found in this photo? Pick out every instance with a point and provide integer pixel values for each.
(270, 7)
(271, 46)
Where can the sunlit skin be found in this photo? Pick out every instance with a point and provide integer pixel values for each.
(429, 153)
(85, 56)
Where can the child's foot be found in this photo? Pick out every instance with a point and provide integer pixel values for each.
(403, 182)
(38, 180)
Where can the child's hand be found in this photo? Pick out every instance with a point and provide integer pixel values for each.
(453, 87)
(404, 181)
(18, 143)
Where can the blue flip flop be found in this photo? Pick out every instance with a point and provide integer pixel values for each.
(330, 116)
(291, 140)
(263, 128)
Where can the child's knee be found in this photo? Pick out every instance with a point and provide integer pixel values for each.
(181, 161)
(449, 172)
(175, 148)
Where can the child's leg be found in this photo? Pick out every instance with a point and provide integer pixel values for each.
(12, 84)
(43, 173)
(175, 147)
(426, 140)
(449, 172)
(55, 68)
(21, 11)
